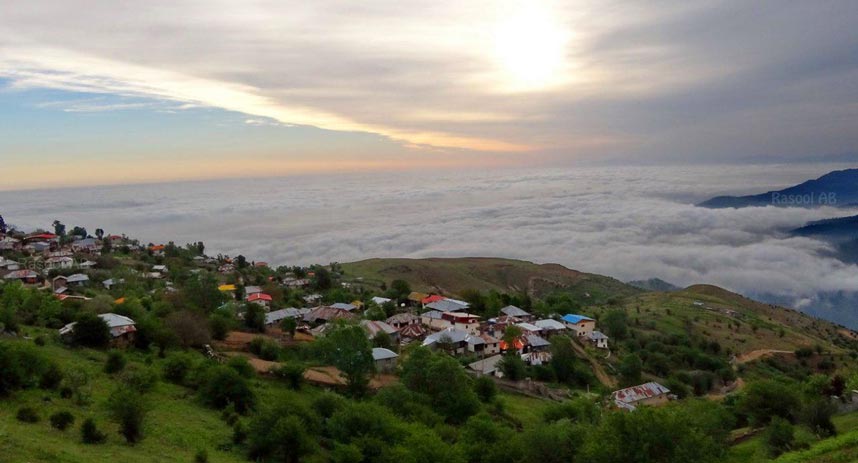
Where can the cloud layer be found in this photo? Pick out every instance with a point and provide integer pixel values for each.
(637, 79)
(630, 223)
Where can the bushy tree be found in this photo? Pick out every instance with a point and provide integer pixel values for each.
(779, 437)
(441, 378)
(485, 388)
(128, 409)
(115, 362)
(286, 431)
(616, 324)
(222, 386)
(90, 434)
(91, 331)
(348, 349)
(630, 369)
(763, 400)
(62, 420)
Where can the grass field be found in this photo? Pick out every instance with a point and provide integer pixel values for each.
(175, 428)
(840, 449)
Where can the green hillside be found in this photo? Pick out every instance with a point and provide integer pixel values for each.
(451, 276)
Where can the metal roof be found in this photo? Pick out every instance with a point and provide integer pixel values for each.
(514, 311)
(641, 392)
(574, 318)
(549, 324)
(380, 353)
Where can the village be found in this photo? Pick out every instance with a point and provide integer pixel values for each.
(68, 267)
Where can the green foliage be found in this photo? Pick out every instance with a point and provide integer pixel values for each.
(115, 362)
(289, 325)
(485, 388)
(62, 420)
(27, 415)
(177, 367)
(254, 318)
(201, 456)
(22, 367)
(242, 366)
(286, 431)
(90, 434)
(513, 367)
(91, 331)
(222, 386)
(779, 437)
(139, 378)
(264, 348)
(763, 400)
(445, 383)
(290, 373)
(128, 410)
(347, 348)
(483, 439)
(616, 324)
(580, 410)
(630, 369)
(816, 415)
(555, 442)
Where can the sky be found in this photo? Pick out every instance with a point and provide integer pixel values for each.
(112, 91)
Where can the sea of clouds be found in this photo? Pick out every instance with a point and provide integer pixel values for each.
(628, 222)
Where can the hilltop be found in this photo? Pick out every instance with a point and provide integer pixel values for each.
(837, 188)
(451, 276)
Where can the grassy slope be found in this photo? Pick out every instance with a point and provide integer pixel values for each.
(675, 312)
(450, 276)
(840, 449)
(175, 428)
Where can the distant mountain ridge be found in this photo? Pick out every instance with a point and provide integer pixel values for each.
(838, 188)
(654, 284)
(841, 232)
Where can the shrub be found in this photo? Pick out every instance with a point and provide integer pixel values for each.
(128, 410)
(266, 349)
(239, 433)
(51, 377)
(27, 415)
(91, 331)
(90, 434)
(222, 386)
(40, 340)
(485, 388)
(21, 367)
(115, 362)
(242, 366)
(779, 437)
(62, 420)
(177, 367)
(291, 373)
(201, 456)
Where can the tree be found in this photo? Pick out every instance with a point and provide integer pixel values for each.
(763, 400)
(202, 292)
(485, 388)
(3, 229)
(59, 228)
(630, 369)
(221, 386)
(91, 331)
(348, 349)
(99, 233)
(241, 261)
(322, 280)
(254, 317)
(513, 367)
(289, 325)
(191, 329)
(446, 384)
(115, 362)
(615, 323)
(779, 437)
(817, 414)
(563, 358)
(399, 290)
(90, 433)
(79, 231)
(285, 432)
(128, 409)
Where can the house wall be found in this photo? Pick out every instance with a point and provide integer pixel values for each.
(583, 328)
(386, 365)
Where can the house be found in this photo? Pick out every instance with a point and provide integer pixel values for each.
(111, 282)
(550, 327)
(157, 250)
(401, 320)
(8, 264)
(528, 328)
(599, 339)
(580, 324)
(447, 305)
(416, 298)
(276, 316)
(8, 243)
(260, 298)
(434, 321)
(651, 393)
(78, 279)
(431, 299)
(88, 245)
(463, 321)
(324, 314)
(251, 290)
(488, 366)
(381, 300)
(122, 328)
(27, 277)
(159, 268)
(411, 332)
(513, 311)
(385, 359)
(87, 264)
(373, 328)
(59, 263)
(534, 343)
(456, 341)
(312, 298)
(344, 306)
(492, 345)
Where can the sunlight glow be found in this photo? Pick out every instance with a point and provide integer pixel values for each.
(530, 47)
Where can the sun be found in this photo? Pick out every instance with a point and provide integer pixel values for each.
(530, 48)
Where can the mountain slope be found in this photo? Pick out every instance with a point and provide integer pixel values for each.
(653, 284)
(837, 188)
(451, 276)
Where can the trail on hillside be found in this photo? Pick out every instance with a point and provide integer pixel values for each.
(758, 354)
(600, 372)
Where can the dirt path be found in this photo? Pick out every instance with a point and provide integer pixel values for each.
(758, 354)
(600, 372)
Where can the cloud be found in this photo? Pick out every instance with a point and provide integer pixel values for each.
(639, 78)
(630, 223)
